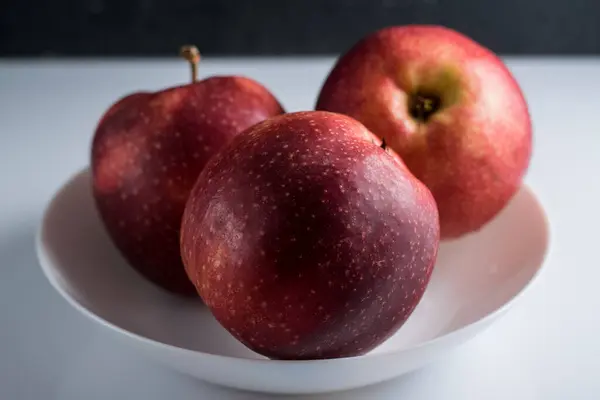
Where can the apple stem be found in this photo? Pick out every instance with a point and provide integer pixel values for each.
(192, 55)
(383, 144)
(422, 107)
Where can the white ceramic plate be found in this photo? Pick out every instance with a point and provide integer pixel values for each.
(476, 279)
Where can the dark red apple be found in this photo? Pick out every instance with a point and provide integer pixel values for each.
(449, 108)
(307, 240)
(147, 152)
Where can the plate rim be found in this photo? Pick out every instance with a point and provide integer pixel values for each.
(46, 266)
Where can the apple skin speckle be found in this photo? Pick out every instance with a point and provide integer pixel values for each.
(147, 152)
(325, 278)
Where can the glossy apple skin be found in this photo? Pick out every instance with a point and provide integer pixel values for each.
(147, 152)
(307, 240)
(474, 151)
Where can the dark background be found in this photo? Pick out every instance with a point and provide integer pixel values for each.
(30, 28)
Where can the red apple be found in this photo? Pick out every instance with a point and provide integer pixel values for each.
(449, 107)
(307, 240)
(147, 152)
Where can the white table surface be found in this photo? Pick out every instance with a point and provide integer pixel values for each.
(547, 347)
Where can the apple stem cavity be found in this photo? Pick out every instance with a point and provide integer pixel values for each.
(422, 107)
(192, 55)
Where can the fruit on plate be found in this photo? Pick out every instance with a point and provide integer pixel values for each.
(307, 240)
(147, 152)
(448, 107)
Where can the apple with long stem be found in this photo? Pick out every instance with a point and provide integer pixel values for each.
(147, 152)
